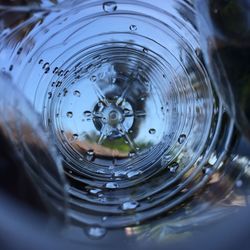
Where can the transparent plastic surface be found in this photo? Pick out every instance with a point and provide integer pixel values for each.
(122, 89)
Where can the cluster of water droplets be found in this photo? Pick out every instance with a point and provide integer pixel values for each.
(129, 104)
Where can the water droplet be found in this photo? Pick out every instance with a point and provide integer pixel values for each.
(89, 67)
(173, 167)
(69, 114)
(239, 183)
(109, 6)
(95, 232)
(49, 95)
(129, 205)
(132, 174)
(111, 185)
(46, 68)
(208, 170)
(142, 98)
(87, 113)
(55, 70)
(40, 61)
(131, 154)
(95, 191)
(90, 152)
(133, 27)
(126, 111)
(77, 93)
(119, 173)
(152, 131)
(212, 159)
(100, 171)
(104, 218)
(90, 156)
(11, 67)
(182, 138)
(66, 73)
(198, 52)
(140, 69)
(93, 78)
(45, 65)
(145, 50)
(216, 11)
(65, 91)
(111, 167)
(61, 72)
(74, 137)
(19, 51)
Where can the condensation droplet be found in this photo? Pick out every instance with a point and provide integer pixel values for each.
(216, 11)
(111, 167)
(239, 183)
(133, 27)
(129, 205)
(69, 114)
(55, 70)
(198, 52)
(182, 138)
(111, 185)
(19, 51)
(208, 170)
(90, 152)
(58, 84)
(109, 7)
(11, 67)
(126, 111)
(46, 67)
(95, 191)
(95, 232)
(212, 159)
(173, 167)
(65, 91)
(49, 95)
(93, 78)
(87, 113)
(119, 173)
(131, 154)
(152, 131)
(145, 50)
(77, 93)
(104, 218)
(74, 137)
(132, 174)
